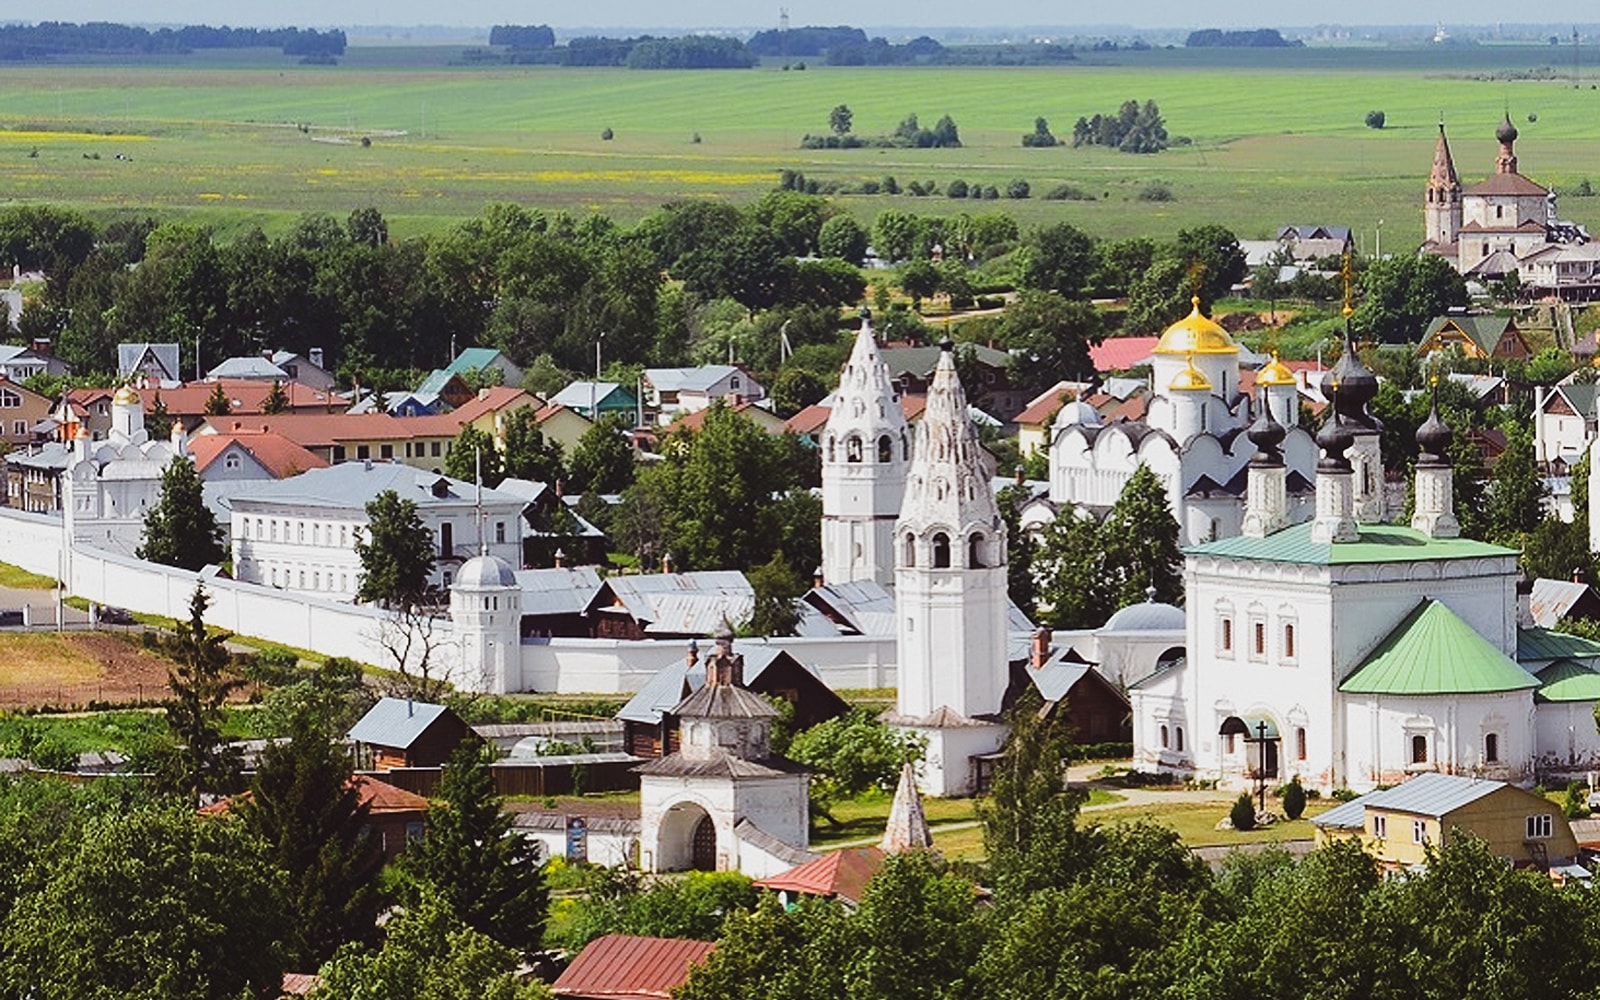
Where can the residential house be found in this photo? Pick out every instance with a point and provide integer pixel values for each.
(442, 390)
(1077, 694)
(668, 393)
(605, 398)
(1034, 422)
(1398, 825)
(765, 419)
(395, 817)
(157, 363)
(300, 533)
(33, 477)
(24, 414)
(991, 391)
(564, 425)
(554, 601)
(477, 363)
(670, 605)
(651, 730)
(1314, 243)
(187, 404)
(1568, 272)
(342, 437)
(399, 733)
(1564, 421)
(250, 455)
(88, 408)
(18, 363)
(304, 368)
(248, 367)
(626, 967)
(1118, 354)
(1475, 336)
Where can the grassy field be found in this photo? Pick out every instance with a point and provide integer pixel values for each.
(1278, 138)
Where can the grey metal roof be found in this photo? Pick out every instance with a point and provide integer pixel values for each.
(1428, 794)
(1057, 677)
(49, 457)
(688, 379)
(676, 681)
(352, 485)
(685, 603)
(1552, 599)
(864, 605)
(395, 722)
(1150, 616)
(130, 355)
(248, 367)
(576, 395)
(565, 591)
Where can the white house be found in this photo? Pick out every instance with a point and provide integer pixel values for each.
(671, 392)
(299, 533)
(1564, 421)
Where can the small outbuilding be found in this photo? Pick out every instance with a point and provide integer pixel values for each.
(399, 732)
(627, 967)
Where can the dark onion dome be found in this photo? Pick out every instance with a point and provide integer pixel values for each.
(1335, 438)
(1434, 436)
(1356, 383)
(1267, 435)
(1507, 132)
(947, 345)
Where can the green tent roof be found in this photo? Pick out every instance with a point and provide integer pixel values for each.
(1543, 644)
(1485, 331)
(1566, 680)
(1434, 652)
(1379, 543)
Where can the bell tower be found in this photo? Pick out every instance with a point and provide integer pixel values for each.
(1442, 205)
(866, 450)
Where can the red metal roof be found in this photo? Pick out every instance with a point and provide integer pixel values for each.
(844, 873)
(1116, 353)
(276, 453)
(244, 395)
(625, 967)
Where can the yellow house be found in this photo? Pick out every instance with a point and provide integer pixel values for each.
(1494, 337)
(1398, 824)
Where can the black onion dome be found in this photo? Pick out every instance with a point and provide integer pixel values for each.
(1507, 132)
(1434, 436)
(1267, 435)
(1335, 438)
(1356, 385)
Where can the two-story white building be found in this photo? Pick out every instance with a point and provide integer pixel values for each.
(671, 392)
(300, 533)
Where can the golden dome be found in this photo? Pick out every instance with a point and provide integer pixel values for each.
(125, 396)
(1195, 334)
(1191, 379)
(1275, 373)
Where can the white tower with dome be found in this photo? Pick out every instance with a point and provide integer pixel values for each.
(486, 613)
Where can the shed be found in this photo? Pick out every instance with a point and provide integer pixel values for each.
(404, 733)
(626, 967)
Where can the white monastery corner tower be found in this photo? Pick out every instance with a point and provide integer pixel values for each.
(950, 594)
(866, 450)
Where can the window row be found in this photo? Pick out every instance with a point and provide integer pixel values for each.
(1257, 641)
(853, 448)
(312, 580)
(939, 550)
(271, 529)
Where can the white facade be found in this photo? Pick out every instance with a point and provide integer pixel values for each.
(109, 486)
(866, 451)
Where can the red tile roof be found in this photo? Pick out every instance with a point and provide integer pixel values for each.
(1116, 353)
(279, 455)
(322, 430)
(625, 967)
(380, 795)
(1043, 409)
(844, 873)
(245, 395)
(809, 420)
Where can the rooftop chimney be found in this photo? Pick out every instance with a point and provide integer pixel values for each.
(1041, 648)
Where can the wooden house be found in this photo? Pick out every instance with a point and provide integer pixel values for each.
(1494, 337)
(398, 732)
(625, 967)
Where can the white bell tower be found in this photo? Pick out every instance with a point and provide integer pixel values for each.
(486, 614)
(866, 450)
(950, 594)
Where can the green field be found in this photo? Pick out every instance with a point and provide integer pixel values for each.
(1276, 137)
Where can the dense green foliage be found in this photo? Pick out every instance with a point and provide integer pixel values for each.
(623, 902)
(852, 754)
(396, 553)
(180, 529)
(200, 679)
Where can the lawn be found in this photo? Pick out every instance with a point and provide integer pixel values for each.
(18, 578)
(861, 820)
(1271, 139)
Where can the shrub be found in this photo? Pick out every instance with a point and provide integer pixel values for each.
(1018, 189)
(990, 192)
(1343, 794)
(1294, 799)
(958, 188)
(1575, 804)
(607, 134)
(890, 185)
(1243, 813)
(1068, 192)
(1155, 192)
(1375, 119)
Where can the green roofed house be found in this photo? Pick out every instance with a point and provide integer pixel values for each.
(1484, 337)
(1355, 652)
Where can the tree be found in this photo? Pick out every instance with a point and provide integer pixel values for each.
(528, 453)
(1517, 493)
(1243, 813)
(200, 679)
(473, 860)
(276, 401)
(1041, 136)
(840, 119)
(218, 404)
(1052, 335)
(158, 423)
(603, 460)
(428, 954)
(620, 901)
(778, 589)
(778, 952)
(1294, 798)
(180, 529)
(844, 238)
(474, 454)
(305, 809)
(1071, 572)
(751, 267)
(795, 389)
(396, 553)
(1401, 294)
(1140, 538)
(894, 233)
(1059, 258)
(920, 280)
(1029, 818)
(1376, 119)
(150, 904)
(849, 755)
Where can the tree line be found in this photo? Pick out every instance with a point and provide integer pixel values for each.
(61, 38)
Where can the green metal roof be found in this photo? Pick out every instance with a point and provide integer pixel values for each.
(1434, 652)
(1542, 645)
(1566, 680)
(1379, 543)
(1485, 331)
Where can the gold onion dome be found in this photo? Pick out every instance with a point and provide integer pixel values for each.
(1196, 334)
(1275, 372)
(1191, 379)
(125, 396)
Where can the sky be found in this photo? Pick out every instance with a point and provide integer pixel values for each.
(743, 13)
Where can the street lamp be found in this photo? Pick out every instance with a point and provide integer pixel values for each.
(594, 386)
(1377, 250)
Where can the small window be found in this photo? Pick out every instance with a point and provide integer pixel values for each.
(1491, 748)
(975, 552)
(734, 382)
(19, 427)
(1164, 737)
(885, 449)
(911, 550)
(941, 551)
(433, 450)
(852, 449)
(1177, 733)
(1419, 749)
(1258, 638)
(1228, 743)
(1539, 827)
(363, 451)
(1419, 831)
(1300, 743)
(338, 453)
(499, 532)
(231, 462)
(1227, 635)
(1380, 826)
(386, 451)
(1288, 641)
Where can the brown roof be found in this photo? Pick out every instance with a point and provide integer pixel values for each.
(322, 430)
(1043, 409)
(298, 984)
(279, 455)
(625, 967)
(809, 420)
(693, 421)
(1526, 226)
(380, 795)
(1507, 184)
(844, 873)
(245, 395)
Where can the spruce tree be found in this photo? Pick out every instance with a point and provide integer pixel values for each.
(472, 859)
(180, 529)
(1140, 539)
(277, 400)
(218, 404)
(200, 679)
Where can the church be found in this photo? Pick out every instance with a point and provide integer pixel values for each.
(1354, 653)
(1191, 436)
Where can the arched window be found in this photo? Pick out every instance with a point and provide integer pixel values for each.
(885, 449)
(852, 449)
(1164, 741)
(1178, 733)
(941, 551)
(1300, 743)
(830, 448)
(975, 552)
(911, 550)
(1491, 748)
(1419, 749)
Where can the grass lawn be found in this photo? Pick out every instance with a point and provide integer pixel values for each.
(45, 658)
(20, 579)
(862, 820)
